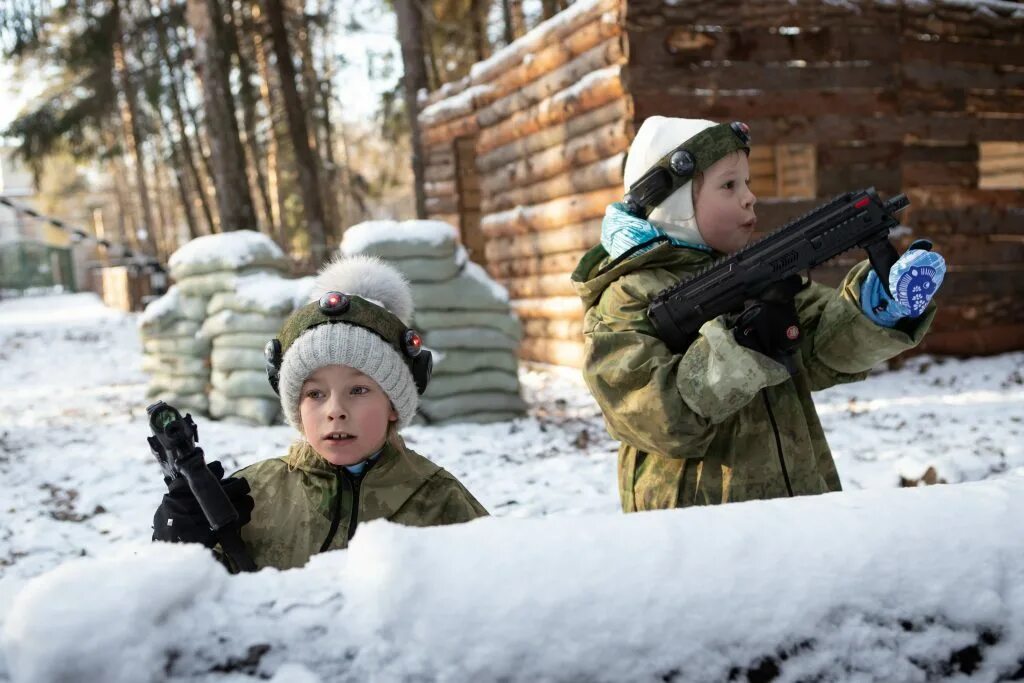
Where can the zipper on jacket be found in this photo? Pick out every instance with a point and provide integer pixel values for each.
(778, 441)
(353, 520)
(343, 475)
(336, 517)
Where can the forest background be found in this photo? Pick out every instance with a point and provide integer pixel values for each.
(152, 122)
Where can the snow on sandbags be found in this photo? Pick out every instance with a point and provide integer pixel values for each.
(239, 323)
(215, 265)
(177, 361)
(211, 264)
(463, 315)
(402, 241)
(226, 252)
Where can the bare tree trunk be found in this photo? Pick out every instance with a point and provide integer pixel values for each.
(410, 36)
(279, 172)
(119, 230)
(309, 184)
(201, 146)
(127, 224)
(506, 16)
(133, 130)
(234, 200)
(182, 146)
(478, 16)
(248, 98)
(331, 184)
(549, 8)
(318, 119)
(514, 18)
(181, 179)
(168, 236)
(434, 80)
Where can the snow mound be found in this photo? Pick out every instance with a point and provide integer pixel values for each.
(882, 585)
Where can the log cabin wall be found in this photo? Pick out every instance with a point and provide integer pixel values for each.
(447, 120)
(553, 122)
(926, 99)
(916, 97)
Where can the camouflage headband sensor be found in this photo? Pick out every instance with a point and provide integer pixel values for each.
(678, 167)
(337, 307)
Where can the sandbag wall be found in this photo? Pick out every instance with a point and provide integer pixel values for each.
(232, 286)
(239, 323)
(463, 316)
(177, 361)
(552, 120)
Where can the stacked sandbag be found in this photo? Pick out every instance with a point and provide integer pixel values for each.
(238, 325)
(212, 264)
(463, 315)
(177, 361)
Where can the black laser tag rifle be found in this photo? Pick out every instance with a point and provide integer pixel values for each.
(174, 445)
(853, 219)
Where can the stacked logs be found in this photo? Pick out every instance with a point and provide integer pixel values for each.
(901, 96)
(552, 120)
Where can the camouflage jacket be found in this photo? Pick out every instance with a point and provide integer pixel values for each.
(719, 423)
(316, 506)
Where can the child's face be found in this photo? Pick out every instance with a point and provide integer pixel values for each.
(724, 204)
(345, 414)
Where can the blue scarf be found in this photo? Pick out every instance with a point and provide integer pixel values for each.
(622, 231)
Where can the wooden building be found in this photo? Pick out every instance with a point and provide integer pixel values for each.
(912, 96)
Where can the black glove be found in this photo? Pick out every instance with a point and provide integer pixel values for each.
(769, 324)
(179, 519)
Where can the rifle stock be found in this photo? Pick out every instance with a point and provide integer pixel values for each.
(853, 219)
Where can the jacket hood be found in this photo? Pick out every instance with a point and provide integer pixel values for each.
(596, 270)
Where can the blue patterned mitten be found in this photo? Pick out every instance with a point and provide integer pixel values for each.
(913, 280)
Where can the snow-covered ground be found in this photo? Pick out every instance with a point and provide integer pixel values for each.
(79, 487)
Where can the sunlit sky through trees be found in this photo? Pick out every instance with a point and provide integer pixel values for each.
(369, 57)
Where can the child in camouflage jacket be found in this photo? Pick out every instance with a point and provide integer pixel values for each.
(725, 421)
(349, 372)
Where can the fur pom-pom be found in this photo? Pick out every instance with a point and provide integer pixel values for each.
(370, 278)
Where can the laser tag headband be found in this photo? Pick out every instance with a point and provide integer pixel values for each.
(337, 307)
(678, 167)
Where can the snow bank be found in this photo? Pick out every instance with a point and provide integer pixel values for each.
(102, 605)
(882, 585)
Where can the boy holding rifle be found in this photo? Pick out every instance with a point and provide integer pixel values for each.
(349, 371)
(725, 414)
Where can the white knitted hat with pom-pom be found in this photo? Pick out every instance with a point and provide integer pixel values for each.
(357, 347)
